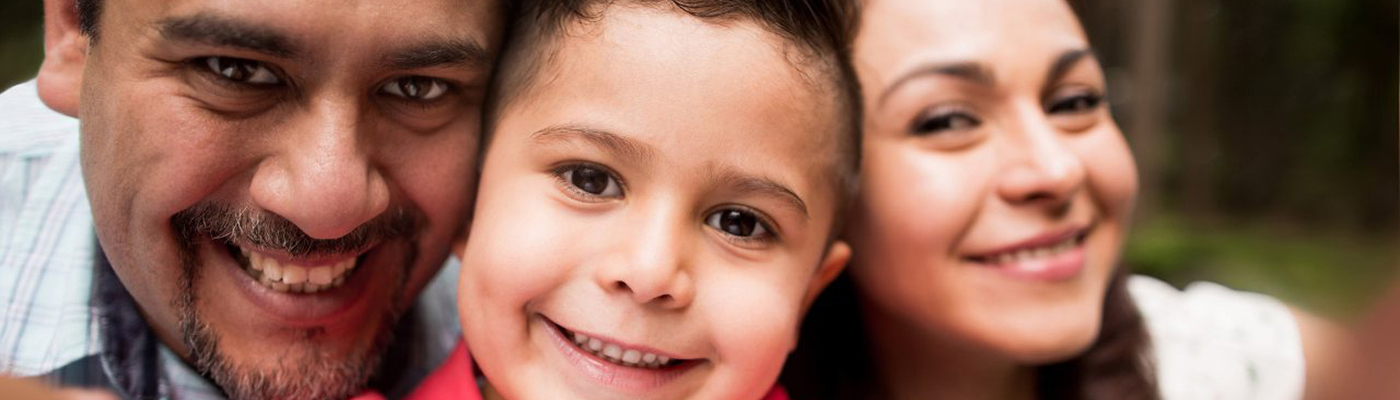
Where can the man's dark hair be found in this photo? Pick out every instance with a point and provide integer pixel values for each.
(822, 31)
(88, 12)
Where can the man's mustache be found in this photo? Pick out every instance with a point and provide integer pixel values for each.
(247, 225)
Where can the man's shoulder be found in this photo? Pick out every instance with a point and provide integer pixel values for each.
(27, 125)
(47, 245)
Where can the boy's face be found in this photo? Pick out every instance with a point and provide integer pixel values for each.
(664, 189)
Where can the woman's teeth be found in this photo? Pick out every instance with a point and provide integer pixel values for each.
(1033, 252)
(288, 277)
(615, 354)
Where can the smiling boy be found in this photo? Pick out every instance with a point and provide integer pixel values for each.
(659, 198)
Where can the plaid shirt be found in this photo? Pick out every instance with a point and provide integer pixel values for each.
(49, 274)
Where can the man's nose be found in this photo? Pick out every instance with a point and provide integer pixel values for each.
(321, 174)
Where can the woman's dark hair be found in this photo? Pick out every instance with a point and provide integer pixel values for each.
(833, 360)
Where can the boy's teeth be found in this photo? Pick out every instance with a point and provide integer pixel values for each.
(292, 278)
(616, 355)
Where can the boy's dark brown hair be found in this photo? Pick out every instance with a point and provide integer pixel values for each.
(821, 31)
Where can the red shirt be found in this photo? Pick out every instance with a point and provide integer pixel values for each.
(456, 380)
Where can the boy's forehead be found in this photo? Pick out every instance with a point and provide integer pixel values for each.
(689, 88)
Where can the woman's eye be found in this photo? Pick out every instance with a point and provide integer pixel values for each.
(417, 88)
(931, 123)
(244, 71)
(592, 181)
(1075, 104)
(738, 223)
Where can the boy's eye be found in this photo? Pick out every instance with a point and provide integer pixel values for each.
(936, 121)
(419, 88)
(240, 70)
(737, 223)
(592, 181)
(1079, 103)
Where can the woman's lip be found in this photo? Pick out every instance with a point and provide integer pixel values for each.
(1042, 240)
(628, 379)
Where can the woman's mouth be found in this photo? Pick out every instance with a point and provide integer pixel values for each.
(1052, 257)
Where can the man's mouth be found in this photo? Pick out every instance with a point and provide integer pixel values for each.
(289, 276)
(619, 353)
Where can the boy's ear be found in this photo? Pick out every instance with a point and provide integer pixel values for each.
(836, 258)
(60, 78)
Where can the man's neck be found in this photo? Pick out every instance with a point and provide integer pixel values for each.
(914, 364)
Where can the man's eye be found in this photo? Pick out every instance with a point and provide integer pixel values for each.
(1075, 104)
(934, 122)
(418, 88)
(592, 181)
(240, 70)
(738, 223)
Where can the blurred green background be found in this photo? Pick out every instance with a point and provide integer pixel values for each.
(1265, 132)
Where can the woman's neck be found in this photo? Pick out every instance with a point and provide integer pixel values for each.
(913, 364)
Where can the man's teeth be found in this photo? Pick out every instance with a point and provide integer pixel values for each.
(616, 355)
(288, 277)
(1035, 252)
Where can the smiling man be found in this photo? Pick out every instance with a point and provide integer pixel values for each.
(271, 185)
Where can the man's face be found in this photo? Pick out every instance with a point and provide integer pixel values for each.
(275, 181)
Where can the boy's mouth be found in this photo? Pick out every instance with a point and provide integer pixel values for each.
(288, 276)
(618, 353)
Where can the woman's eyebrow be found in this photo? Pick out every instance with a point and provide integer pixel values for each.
(971, 71)
(1064, 62)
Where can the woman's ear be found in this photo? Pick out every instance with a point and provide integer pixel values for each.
(836, 258)
(60, 79)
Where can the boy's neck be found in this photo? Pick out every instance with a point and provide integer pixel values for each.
(913, 364)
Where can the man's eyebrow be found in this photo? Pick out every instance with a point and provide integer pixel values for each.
(216, 30)
(440, 52)
(620, 145)
(971, 71)
(752, 184)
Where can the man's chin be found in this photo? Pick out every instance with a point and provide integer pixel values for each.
(313, 372)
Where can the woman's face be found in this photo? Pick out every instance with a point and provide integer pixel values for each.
(996, 187)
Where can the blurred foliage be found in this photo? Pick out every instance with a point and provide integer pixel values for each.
(1278, 160)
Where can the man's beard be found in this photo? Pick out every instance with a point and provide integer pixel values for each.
(313, 372)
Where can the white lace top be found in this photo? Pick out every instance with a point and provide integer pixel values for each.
(1210, 342)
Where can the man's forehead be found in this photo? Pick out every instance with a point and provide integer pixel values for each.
(325, 25)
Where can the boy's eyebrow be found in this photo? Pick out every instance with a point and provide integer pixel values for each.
(752, 184)
(217, 30)
(626, 147)
(440, 52)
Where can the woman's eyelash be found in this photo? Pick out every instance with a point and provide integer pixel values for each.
(1075, 103)
(936, 121)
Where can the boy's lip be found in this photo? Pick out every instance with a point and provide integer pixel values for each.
(638, 380)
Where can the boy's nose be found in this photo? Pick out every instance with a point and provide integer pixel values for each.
(655, 271)
(321, 176)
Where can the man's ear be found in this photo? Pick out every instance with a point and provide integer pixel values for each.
(65, 52)
(836, 258)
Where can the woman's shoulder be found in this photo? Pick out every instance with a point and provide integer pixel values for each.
(1212, 342)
